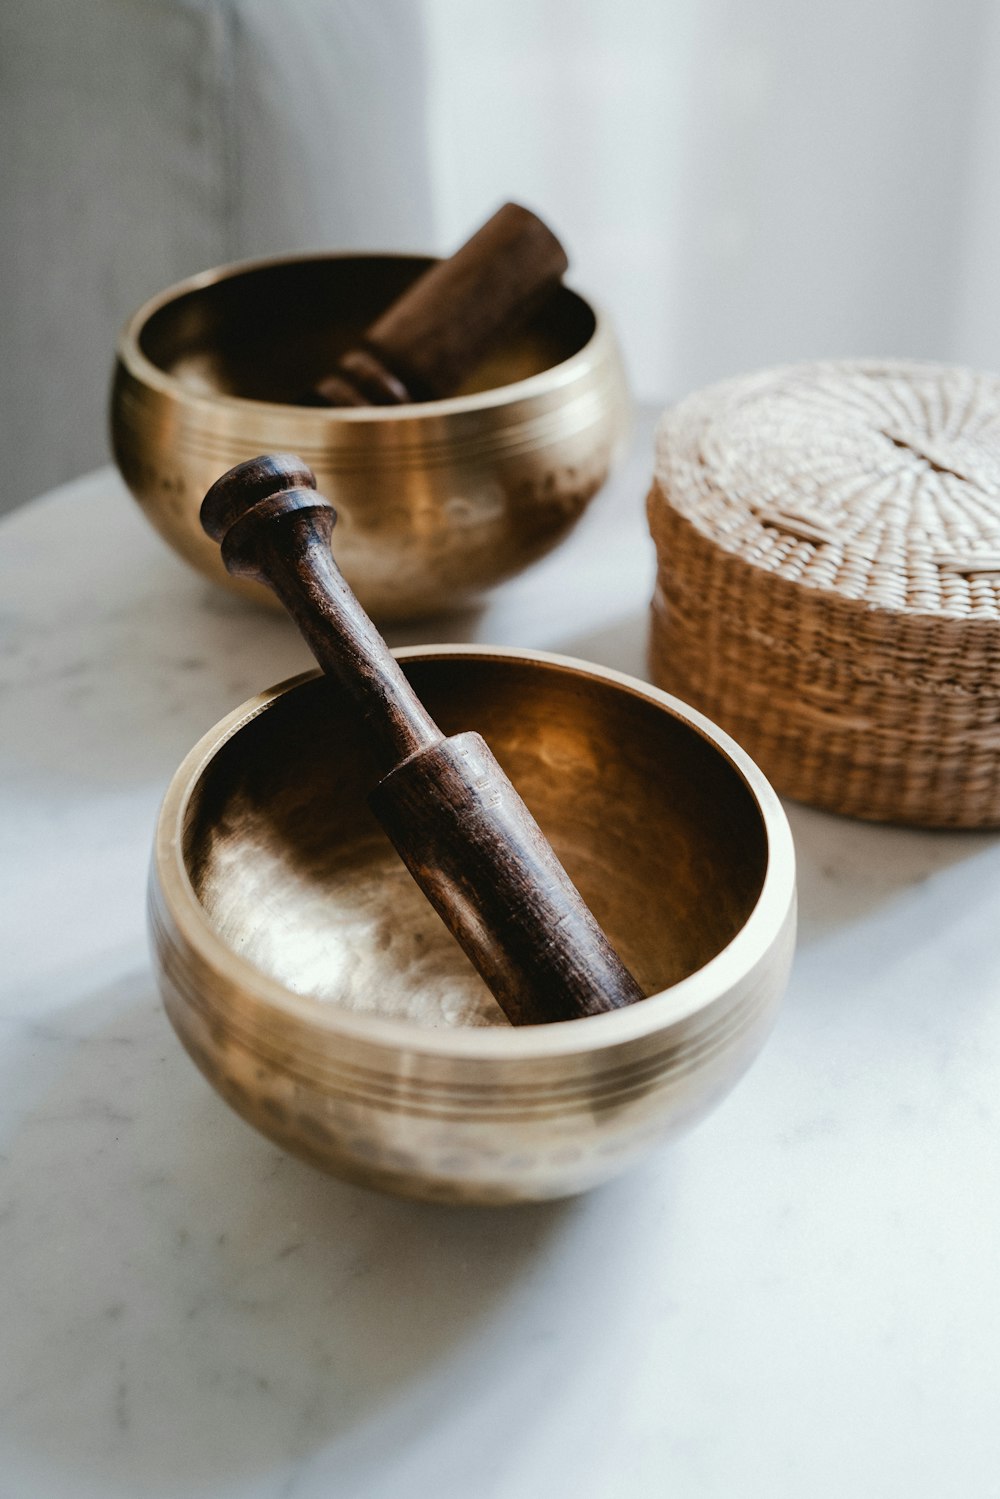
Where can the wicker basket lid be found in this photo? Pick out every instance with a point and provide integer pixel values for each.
(876, 480)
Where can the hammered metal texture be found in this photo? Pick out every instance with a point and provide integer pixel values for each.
(326, 1003)
(436, 501)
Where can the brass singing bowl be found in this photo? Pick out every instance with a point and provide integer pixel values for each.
(317, 990)
(437, 500)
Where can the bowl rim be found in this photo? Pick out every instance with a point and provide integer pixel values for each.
(130, 355)
(734, 962)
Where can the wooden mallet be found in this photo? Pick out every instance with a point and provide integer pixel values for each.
(455, 819)
(444, 324)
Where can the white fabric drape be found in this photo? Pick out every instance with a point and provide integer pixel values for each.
(742, 183)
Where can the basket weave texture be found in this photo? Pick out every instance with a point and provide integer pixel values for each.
(828, 588)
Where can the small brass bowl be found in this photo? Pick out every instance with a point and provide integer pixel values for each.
(292, 947)
(437, 501)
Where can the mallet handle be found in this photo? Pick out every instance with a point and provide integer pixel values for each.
(457, 822)
(426, 343)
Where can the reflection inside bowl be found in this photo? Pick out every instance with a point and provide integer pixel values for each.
(274, 330)
(659, 831)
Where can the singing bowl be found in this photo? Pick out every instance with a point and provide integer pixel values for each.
(437, 500)
(318, 991)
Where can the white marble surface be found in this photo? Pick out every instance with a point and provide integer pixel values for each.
(800, 1298)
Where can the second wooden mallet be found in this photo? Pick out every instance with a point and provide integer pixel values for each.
(435, 334)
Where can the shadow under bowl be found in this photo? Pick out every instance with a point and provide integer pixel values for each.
(437, 501)
(320, 994)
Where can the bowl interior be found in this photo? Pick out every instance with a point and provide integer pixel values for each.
(269, 331)
(658, 829)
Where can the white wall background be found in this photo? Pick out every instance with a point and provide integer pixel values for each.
(742, 181)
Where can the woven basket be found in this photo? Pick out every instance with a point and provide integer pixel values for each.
(828, 539)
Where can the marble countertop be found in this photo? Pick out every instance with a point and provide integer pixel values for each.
(801, 1297)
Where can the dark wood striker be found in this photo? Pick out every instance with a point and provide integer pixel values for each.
(457, 822)
(433, 336)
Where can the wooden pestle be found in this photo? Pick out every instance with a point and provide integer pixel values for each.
(455, 819)
(425, 344)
